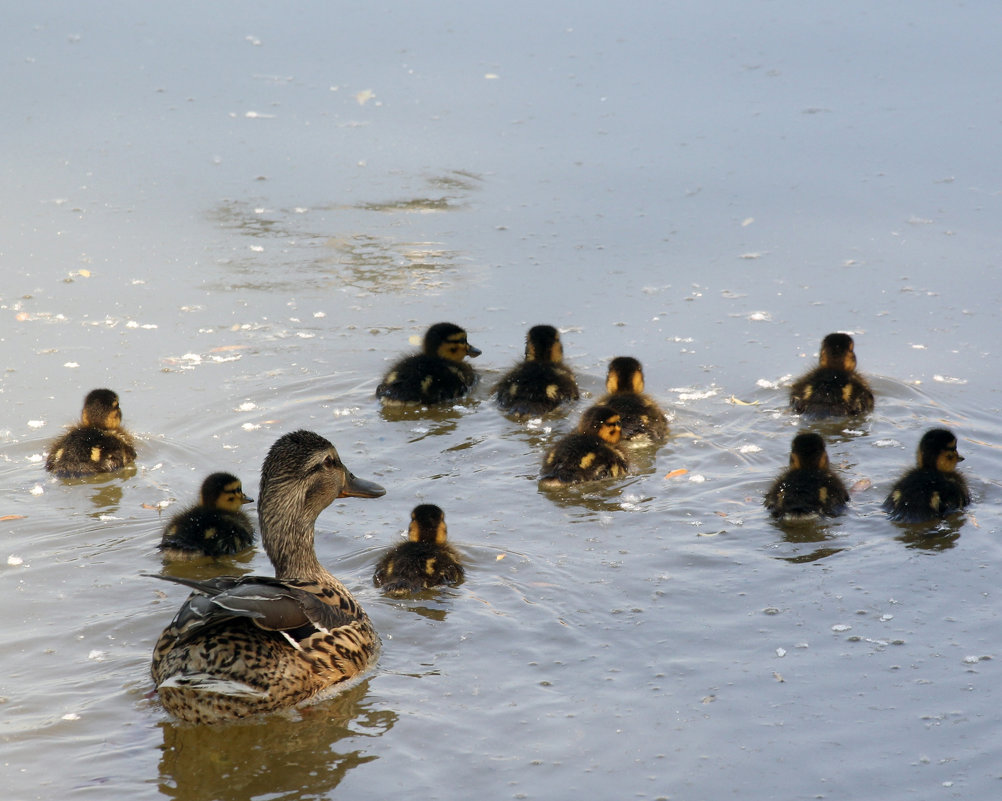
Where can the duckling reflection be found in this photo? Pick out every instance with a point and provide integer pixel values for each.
(808, 487)
(305, 753)
(641, 417)
(591, 453)
(215, 526)
(833, 388)
(933, 488)
(437, 374)
(97, 444)
(426, 560)
(541, 382)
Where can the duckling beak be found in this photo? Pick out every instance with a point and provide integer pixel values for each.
(960, 458)
(471, 351)
(247, 500)
(355, 487)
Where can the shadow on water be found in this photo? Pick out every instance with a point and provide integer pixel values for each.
(107, 495)
(304, 754)
(810, 538)
(940, 535)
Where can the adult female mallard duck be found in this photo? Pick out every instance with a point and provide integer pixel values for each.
(425, 560)
(639, 413)
(215, 526)
(592, 452)
(933, 488)
(808, 487)
(256, 644)
(98, 444)
(541, 382)
(833, 388)
(436, 374)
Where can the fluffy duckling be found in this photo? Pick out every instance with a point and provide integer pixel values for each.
(239, 646)
(435, 375)
(425, 560)
(541, 382)
(98, 444)
(808, 487)
(833, 388)
(592, 452)
(640, 415)
(216, 526)
(933, 488)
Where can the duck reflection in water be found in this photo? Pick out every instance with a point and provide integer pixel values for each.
(293, 754)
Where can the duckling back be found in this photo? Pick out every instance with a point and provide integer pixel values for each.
(426, 560)
(216, 526)
(590, 453)
(98, 444)
(541, 382)
(834, 388)
(640, 415)
(809, 486)
(933, 489)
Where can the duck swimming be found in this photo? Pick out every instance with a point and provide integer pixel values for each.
(425, 560)
(808, 487)
(541, 382)
(98, 444)
(833, 388)
(640, 415)
(239, 646)
(216, 526)
(933, 488)
(592, 452)
(437, 374)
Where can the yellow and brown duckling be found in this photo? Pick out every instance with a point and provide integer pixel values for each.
(591, 453)
(215, 526)
(808, 487)
(98, 444)
(833, 388)
(425, 560)
(239, 646)
(541, 382)
(435, 375)
(933, 488)
(640, 415)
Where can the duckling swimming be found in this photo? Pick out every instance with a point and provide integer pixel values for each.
(425, 560)
(540, 383)
(216, 526)
(640, 415)
(239, 646)
(933, 488)
(98, 444)
(435, 375)
(592, 452)
(808, 487)
(833, 388)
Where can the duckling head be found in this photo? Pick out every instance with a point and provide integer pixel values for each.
(448, 341)
(223, 491)
(937, 450)
(542, 344)
(427, 524)
(101, 410)
(808, 452)
(625, 375)
(602, 421)
(837, 351)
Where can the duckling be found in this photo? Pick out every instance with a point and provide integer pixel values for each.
(239, 646)
(933, 488)
(592, 452)
(833, 388)
(809, 486)
(435, 375)
(425, 560)
(98, 444)
(541, 382)
(216, 526)
(640, 414)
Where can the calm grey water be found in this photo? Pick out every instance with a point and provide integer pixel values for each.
(237, 215)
